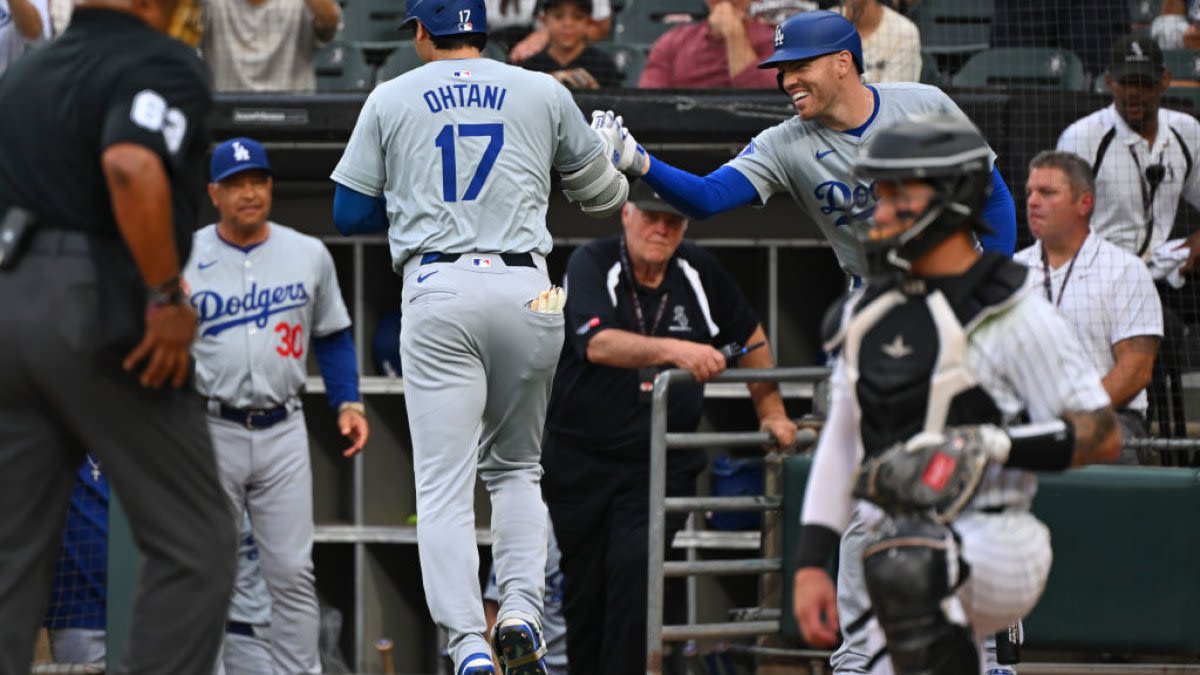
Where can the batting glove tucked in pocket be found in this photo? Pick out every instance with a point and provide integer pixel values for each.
(549, 301)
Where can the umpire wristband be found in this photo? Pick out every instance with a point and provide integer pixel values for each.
(816, 545)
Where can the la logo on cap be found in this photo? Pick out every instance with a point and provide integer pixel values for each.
(240, 153)
(778, 36)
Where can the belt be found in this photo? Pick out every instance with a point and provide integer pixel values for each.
(510, 259)
(59, 242)
(239, 628)
(253, 419)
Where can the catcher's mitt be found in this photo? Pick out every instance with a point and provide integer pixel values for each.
(931, 474)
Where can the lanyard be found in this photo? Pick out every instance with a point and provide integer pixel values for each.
(1066, 277)
(637, 304)
(1147, 195)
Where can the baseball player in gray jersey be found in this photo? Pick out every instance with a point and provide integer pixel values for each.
(810, 156)
(456, 157)
(246, 649)
(264, 294)
(938, 357)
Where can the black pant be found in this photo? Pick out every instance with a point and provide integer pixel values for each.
(61, 395)
(600, 509)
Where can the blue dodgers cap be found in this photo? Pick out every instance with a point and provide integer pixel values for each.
(237, 155)
(449, 17)
(811, 34)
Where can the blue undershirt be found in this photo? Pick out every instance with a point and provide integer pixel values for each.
(356, 213)
(338, 365)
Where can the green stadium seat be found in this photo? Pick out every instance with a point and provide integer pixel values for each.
(1182, 97)
(630, 60)
(374, 20)
(403, 59)
(1183, 64)
(930, 73)
(641, 22)
(1023, 67)
(1143, 12)
(954, 26)
(1124, 578)
(342, 67)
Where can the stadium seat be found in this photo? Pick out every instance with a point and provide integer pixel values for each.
(954, 26)
(630, 60)
(1023, 67)
(1183, 64)
(342, 67)
(930, 73)
(374, 20)
(1142, 13)
(404, 58)
(641, 22)
(1182, 97)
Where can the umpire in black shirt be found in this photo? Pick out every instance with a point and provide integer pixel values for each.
(636, 303)
(101, 172)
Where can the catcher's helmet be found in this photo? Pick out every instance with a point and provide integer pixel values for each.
(944, 151)
(449, 17)
(811, 34)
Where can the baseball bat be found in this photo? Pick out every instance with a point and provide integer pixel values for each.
(384, 647)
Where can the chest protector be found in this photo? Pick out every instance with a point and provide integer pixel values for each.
(905, 350)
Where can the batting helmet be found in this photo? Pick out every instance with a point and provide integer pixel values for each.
(811, 34)
(449, 17)
(948, 153)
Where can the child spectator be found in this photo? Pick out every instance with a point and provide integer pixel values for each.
(568, 56)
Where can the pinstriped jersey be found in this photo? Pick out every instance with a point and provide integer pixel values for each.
(257, 309)
(816, 165)
(462, 149)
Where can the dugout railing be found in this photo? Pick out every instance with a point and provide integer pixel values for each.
(770, 562)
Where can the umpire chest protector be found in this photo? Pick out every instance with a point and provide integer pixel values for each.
(904, 343)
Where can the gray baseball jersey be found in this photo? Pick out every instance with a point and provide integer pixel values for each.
(257, 309)
(815, 165)
(461, 150)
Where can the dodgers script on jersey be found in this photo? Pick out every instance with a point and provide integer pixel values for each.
(257, 309)
(460, 149)
(815, 165)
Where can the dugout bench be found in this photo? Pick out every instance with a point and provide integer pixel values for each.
(1124, 590)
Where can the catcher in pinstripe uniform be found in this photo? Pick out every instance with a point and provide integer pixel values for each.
(954, 384)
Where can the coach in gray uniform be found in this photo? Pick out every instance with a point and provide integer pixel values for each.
(461, 150)
(264, 294)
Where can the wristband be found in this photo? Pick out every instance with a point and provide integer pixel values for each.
(356, 406)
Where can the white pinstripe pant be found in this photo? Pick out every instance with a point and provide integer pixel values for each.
(1009, 554)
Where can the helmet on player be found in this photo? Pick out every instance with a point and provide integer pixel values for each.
(449, 17)
(811, 34)
(947, 153)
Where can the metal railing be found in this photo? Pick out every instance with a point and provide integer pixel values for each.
(661, 442)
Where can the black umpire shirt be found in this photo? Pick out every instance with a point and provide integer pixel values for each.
(597, 407)
(108, 79)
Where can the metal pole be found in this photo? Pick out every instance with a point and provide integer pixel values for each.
(657, 518)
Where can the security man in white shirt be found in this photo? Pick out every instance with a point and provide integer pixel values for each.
(1104, 292)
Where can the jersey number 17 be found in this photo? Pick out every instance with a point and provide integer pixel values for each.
(445, 140)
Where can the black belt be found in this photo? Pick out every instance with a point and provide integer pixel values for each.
(239, 628)
(59, 242)
(510, 259)
(254, 419)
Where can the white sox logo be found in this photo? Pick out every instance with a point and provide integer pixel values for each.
(256, 305)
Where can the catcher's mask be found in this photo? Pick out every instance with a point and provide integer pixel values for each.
(187, 22)
(945, 152)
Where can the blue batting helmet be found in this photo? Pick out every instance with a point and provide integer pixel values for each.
(811, 34)
(449, 17)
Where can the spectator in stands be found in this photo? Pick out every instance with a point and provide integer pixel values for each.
(1086, 27)
(512, 24)
(267, 45)
(891, 42)
(568, 56)
(1103, 291)
(22, 23)
(722, 51)
(1175, 27)
(639, 302)
(1143, 155)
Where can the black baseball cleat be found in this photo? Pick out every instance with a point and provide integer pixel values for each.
(520, 648)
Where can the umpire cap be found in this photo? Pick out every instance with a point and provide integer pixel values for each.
(811, 34)
(449, 17)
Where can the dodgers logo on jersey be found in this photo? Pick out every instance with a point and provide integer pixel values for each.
(850, 204)
(255, 306)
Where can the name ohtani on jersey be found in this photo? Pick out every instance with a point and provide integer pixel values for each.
(218, 313)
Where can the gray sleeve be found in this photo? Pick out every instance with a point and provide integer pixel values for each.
(761, 164)
(330, 310)
(362, 167)
(576, 143)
